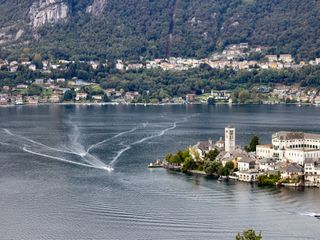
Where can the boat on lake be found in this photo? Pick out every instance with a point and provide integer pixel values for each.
(157, 164)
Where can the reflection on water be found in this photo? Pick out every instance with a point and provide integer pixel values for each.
(53, 184)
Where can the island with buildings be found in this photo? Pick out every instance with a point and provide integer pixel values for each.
(292, 159)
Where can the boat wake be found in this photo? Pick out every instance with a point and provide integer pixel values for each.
(311, 214)
(144, 125)
(161, 133)
(74, 150)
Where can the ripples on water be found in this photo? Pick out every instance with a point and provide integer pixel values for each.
(53, 184)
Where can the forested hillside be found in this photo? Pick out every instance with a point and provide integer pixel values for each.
(130, 29)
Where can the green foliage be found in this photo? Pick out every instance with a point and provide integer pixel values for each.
(212, 154)
(211, 101)
(249, 235)
(106, 98)
(178, 158)
(69, 95)
(212, 167)
(131, 29)
(253, 144)
(268, 179)
(227, 169)
(188, 164)
(34, 90)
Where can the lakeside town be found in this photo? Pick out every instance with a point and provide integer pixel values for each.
(291, 159)
(48, 89)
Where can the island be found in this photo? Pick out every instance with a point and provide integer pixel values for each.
(292, 159)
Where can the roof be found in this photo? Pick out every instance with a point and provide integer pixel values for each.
(284, 135)
(246, 160)
(267, 160)
(292, 168)
(204, 145)
(264, 145)
(313, 161)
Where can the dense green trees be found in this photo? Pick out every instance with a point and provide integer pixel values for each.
(212, 167)
(134, 29)
(252, 145)
(249, 235)
(69, 95)
(269, 179)
(212, 154)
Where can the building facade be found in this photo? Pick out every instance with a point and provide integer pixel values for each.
(291, 146)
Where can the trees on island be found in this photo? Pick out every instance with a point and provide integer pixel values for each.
(209, 164)
(252, 145)
(249, 235)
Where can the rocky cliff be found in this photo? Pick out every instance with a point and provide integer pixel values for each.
(97, 7)
(43, 12)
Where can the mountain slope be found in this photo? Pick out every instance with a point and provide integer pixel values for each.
(156, 28)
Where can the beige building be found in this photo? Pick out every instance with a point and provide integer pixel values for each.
(291, 146)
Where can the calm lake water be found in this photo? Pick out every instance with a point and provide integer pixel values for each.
(54, 182)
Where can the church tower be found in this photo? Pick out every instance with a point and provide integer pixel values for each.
(230, 138)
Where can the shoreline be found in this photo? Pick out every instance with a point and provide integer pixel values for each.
(153, 104)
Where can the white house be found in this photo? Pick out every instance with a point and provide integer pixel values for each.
(312, 172)
(244, 164)
(248, 176)
(267, 164)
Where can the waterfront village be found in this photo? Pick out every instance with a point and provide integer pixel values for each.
(76, 90)
(292, 159)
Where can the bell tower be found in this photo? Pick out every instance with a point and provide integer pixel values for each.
(230, 138)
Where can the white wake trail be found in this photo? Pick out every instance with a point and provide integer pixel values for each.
(145, 139)
(114, 137)
(80, 150)
(38, 143)
(59, 159)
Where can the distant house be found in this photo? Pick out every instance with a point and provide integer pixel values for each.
(244, 164)
(4, 99)
(32, 99)
(264, 150)
(81, 96)
(97, 98)
(6, 88)
(291, 170)
(312, 172)
(61, 80)
(39, 81)
(287, 58)
(22, 86)
(203, 147)
(272, 58)
(248, 176)
(317, 100)
(32, 67)
(18, 100)
(80, 82)
(55, 98)
(267, 164)
(191, 98)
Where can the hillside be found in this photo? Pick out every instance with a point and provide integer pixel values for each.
(157, 28)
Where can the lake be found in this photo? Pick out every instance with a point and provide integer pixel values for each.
(79, 172)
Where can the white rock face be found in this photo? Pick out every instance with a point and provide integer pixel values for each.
(97, 7)
(47, 11)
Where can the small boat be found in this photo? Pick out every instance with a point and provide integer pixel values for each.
(157, 164)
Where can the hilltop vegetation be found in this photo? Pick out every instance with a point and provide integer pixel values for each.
(131, 29)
